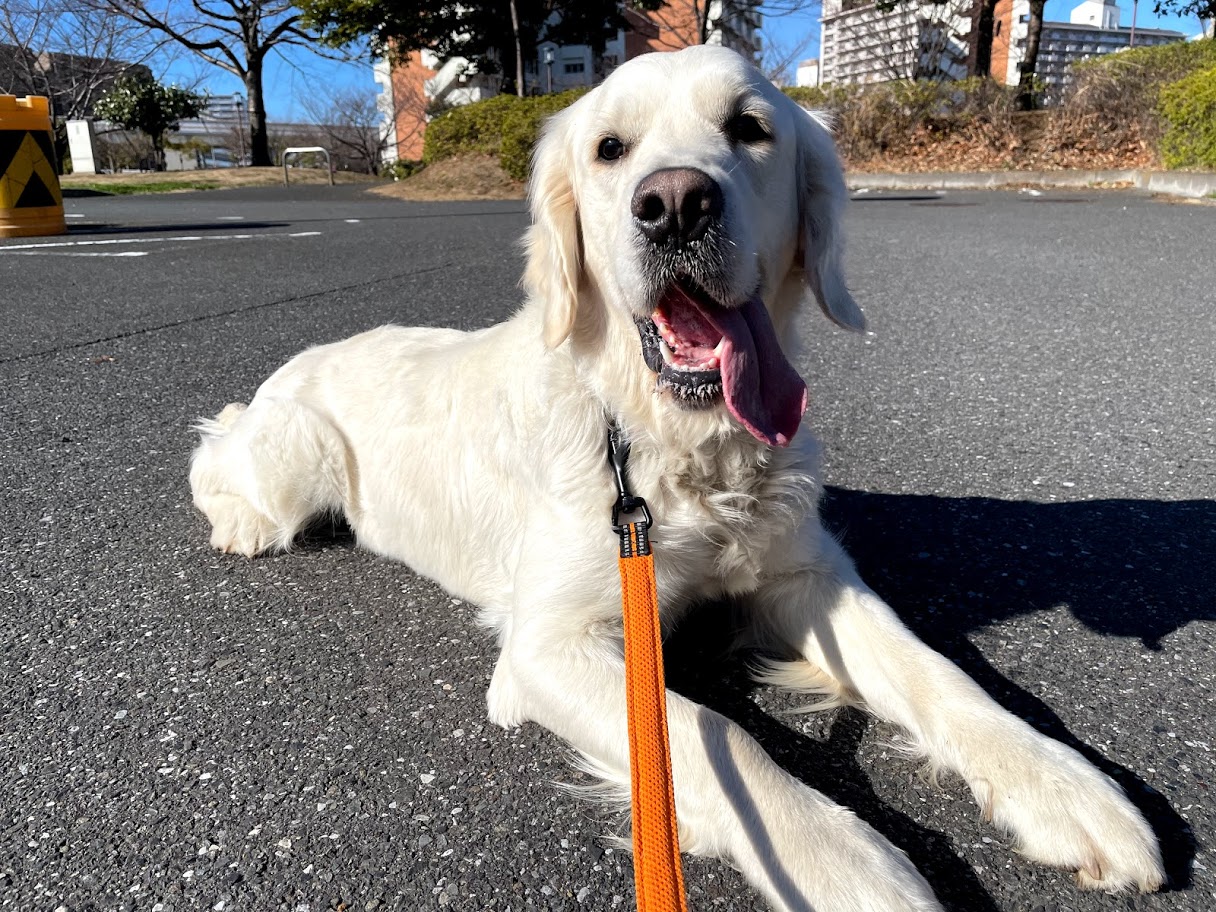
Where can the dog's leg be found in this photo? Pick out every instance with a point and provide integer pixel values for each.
(260, 473)
(1062, 810)
(802, 851)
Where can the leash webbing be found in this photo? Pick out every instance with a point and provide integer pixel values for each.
(657, 873)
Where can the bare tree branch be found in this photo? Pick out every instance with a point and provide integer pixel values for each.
(66, 51)
(234, 35)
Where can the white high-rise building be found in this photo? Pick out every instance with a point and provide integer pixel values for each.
(861, 43)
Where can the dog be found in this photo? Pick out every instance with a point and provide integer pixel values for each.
(681, 212)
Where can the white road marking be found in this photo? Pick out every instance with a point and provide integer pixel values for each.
(16, 248)
(69, 253)
(230, 218)
(352, 221)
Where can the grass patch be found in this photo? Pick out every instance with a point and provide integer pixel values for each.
(150, 187)
(216, 179)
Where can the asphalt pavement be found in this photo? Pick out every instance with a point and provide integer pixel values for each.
(1022, 457)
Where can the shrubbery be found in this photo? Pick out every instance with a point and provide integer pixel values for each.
(505, 125)
(403, 168)
(467, 129)
(1127, 107)
(521, 129)
(1189, 109)
(874, 119)
(1115, 101)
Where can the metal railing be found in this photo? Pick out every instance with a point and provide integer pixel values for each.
(301, 150)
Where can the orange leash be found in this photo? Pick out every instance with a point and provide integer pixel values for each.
(657, 874)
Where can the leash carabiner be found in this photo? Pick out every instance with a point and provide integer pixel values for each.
(626, 502)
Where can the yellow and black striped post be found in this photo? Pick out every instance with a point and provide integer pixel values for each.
(30, 200)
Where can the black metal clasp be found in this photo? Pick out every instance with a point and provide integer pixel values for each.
(626, 503)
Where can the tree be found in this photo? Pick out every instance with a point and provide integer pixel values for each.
(1205, 10)
(1030, 60)
(234, 35)
(351, 125)
(495, 36)
(141, 103)
(68, 52)
(983, 32)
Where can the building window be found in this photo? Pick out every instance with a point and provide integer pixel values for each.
(1025, 17)
(996, 29)
(576, 67)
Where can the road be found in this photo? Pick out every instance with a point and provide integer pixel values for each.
(1022, 457)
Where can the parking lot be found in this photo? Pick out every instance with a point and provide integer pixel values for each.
(1021, 456)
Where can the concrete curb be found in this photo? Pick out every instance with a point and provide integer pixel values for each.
(1175, 183)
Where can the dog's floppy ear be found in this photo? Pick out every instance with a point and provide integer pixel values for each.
(822, 198)
(553, 243)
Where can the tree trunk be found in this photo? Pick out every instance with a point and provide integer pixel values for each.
(519, 53)
(259, 140)
(979, 54)
(1026, 69)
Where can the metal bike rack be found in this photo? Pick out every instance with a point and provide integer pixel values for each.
(300, 150)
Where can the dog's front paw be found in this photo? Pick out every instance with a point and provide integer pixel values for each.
(236, 527)
(1067, 814)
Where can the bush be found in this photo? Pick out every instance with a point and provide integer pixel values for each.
(505, 125)
(402, 168)
(470, 128)
(872, 120)
(1189, 109)
(1114, 102)
(812, 97)
(521, 130)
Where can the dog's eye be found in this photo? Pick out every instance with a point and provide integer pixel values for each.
(744, 128)
(611, 149)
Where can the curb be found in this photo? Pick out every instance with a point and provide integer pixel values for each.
(1192, 185)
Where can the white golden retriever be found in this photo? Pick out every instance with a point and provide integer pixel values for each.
(681, 212)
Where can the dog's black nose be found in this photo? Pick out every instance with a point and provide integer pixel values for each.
(676, 205)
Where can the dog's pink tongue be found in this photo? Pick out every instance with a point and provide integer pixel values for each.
(762, 389)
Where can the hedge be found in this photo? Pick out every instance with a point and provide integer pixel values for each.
(1148, 98)
(505, 125)
(521, 129)
(1115, 101)
(1189, 109)
(466, 129)
(870, 120)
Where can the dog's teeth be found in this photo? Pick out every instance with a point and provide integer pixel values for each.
(668, 356)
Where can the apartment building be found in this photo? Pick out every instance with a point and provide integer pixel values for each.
(424, 83)
(1092, 29)
(861, 43)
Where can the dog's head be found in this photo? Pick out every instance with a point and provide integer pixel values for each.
(684, 195)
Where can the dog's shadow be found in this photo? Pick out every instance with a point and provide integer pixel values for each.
(952, 565)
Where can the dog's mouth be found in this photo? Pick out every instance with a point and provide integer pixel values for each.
(703, 350)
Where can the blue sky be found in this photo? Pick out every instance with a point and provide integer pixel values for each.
(299, 72)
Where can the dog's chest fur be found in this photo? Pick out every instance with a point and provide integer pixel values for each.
(719, 510)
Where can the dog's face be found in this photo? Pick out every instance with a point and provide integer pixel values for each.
(685, 191)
